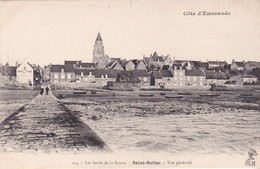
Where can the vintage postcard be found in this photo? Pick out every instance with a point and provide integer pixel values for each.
(129, 84)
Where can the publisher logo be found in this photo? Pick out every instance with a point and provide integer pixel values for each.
(251, 160)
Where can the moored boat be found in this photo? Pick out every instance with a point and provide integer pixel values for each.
(146, 95)
(173, 97)
(185, 93)
(246, 94)
(93, 92)
(79, 92)
(209, 95)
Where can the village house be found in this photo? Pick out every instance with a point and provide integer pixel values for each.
(139, 64)
(237, 65)
(143, 77)
(129, 65)
(178, 74)
(89, 66)
(216, 64)
(195, 77)
(28, 75)
(103, 76)
(250, 65)
(157, 62)
(248, 79)
(217, 78)
(60, 73)
(189, 65)
(84, 76)
(114, 64)
(156, 79)
(7, 75)
(167, 77)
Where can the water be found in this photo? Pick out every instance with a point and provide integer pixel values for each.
(190, 125)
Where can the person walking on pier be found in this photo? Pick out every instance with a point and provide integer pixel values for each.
(47, 90)
(42, 90)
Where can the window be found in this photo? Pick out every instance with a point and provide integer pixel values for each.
(68, 76)
(62, 76)
(56, 75)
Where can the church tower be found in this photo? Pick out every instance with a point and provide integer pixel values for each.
(98, 51)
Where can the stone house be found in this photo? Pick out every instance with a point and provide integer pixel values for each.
(84, 75)
(114, 64)
(155, 62)
(156, 79)
(217, 78)
(27, 74)
(7, 75)
(168, 79)
(237, 65)
(61, 73)
(216, 64)
(195, 77)
(178, 75)
(250, 65)
(129, 65)
(139, 64)
(143, 77)
(103, 76)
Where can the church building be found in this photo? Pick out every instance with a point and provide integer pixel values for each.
(99, 56)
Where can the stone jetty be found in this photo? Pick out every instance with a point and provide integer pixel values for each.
(45, 124)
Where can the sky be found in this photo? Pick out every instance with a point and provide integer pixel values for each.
(46, 32)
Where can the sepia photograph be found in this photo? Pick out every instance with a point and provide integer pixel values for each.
(129, 84)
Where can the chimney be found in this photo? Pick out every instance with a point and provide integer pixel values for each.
(175, 67)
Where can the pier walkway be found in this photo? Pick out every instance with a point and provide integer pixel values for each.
(45, 124)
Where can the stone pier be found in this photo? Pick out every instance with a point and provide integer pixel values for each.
(45, 124)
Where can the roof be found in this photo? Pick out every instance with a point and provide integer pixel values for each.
(216, 75)
(217, 62)
(99, 37)
(240, 64)
(111, 73)
(84, 71)
(157, 75)
(146, 60)
(195, 72)
(253, 63)
(179, 61)
(72, 62)
(166, 73)
(88, 65)
(140, 73)
(57, 68)
(117, 59)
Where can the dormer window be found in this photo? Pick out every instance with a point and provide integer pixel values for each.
(81, 74)
(62, 70)
(106, 76)
(90, 73)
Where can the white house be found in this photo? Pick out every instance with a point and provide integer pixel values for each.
(25, 74)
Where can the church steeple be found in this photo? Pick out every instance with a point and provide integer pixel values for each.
(99, 37)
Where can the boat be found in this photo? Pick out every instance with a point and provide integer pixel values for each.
(79, 92)
(60, 96)
(209, 95)
(218, 87)
(185, 93)
(173, 97)
(93, 92)
(246, 94)
(145, 95)
(162, 94)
